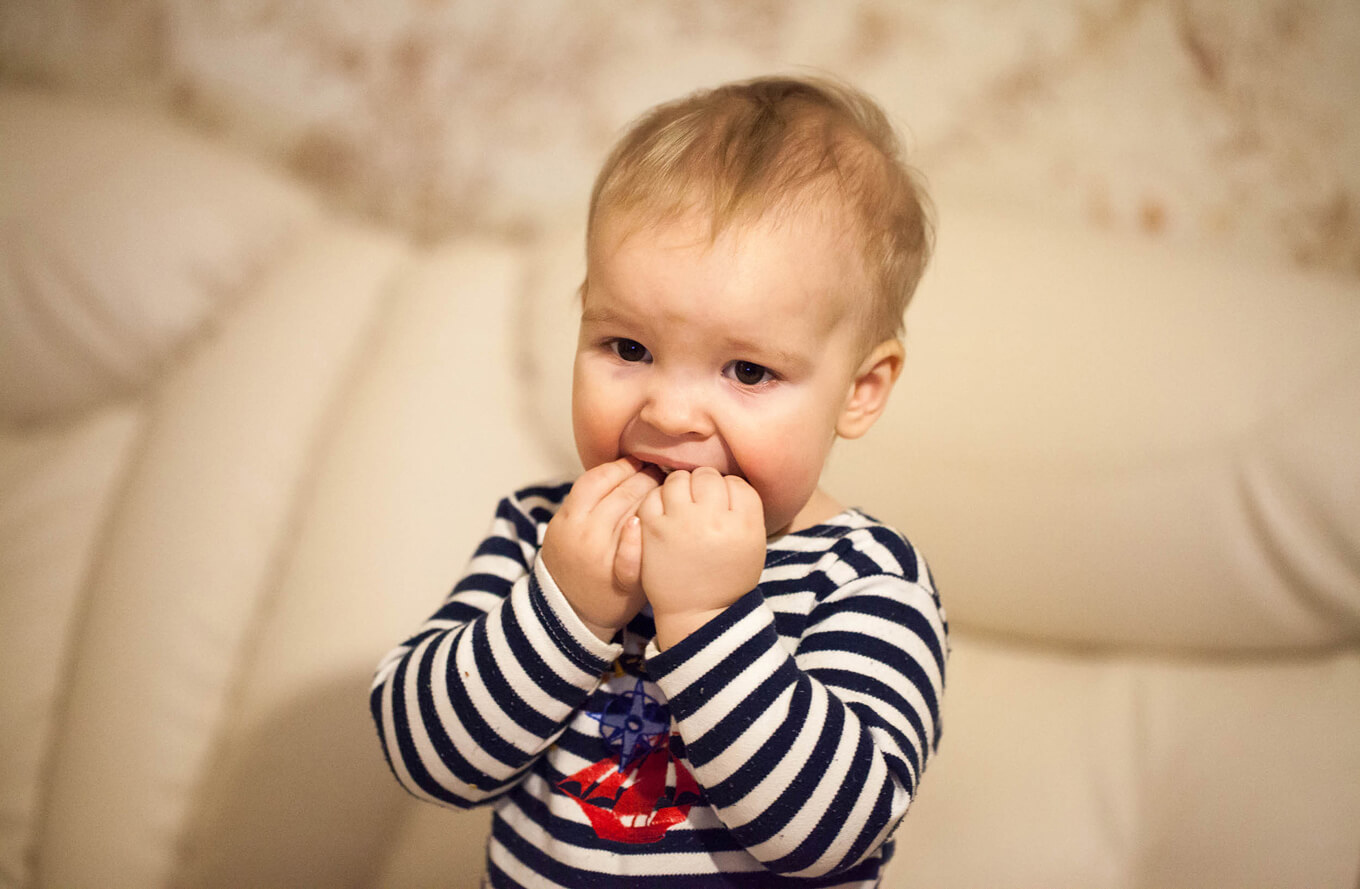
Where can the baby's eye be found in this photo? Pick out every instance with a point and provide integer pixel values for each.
(629, 350)
(748, 373)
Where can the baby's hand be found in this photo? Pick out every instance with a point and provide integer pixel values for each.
(703, 548)
(593, 551)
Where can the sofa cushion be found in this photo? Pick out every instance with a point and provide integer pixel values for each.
(1063, 768)
(120, 236)
(189, 559)
(57, 489)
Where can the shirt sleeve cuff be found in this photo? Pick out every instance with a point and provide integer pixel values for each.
(565, 626)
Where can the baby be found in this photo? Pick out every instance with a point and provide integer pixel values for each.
(693, 666)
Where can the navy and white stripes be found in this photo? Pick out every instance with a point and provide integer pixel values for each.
(806, 714)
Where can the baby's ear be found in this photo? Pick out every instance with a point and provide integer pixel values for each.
(870, 388)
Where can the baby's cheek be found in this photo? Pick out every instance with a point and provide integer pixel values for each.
(597, 447)
(596, 432)
(784, 479)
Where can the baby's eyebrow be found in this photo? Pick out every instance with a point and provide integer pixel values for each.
(601, 315)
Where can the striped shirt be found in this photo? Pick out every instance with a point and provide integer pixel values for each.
(778, 745)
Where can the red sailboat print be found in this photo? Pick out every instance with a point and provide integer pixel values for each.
(643, 789)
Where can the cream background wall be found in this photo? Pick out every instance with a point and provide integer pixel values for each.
(1233, 127)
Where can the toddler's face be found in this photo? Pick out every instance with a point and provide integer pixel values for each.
(738, 354)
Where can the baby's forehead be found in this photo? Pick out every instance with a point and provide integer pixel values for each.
(810, 229)
(833, 283)
(818, 204)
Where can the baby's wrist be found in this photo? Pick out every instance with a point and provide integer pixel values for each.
(591, 616)
(563, 602)
(672, 628)
(601, 631)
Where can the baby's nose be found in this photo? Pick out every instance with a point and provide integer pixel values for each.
(676, 410)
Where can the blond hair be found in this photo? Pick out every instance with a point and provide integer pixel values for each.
(746, 150)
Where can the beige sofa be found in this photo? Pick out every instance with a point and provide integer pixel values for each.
(246, 444)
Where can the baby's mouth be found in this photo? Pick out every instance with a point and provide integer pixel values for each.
(662, 468)
(657, 468)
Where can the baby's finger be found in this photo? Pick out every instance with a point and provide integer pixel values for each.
(652, 507)
(742, 497)
(622, 502)
(708, 486)
(675, 491)
(595, 484)
(628, 557)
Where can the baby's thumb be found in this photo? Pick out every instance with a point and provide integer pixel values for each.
(628, 557)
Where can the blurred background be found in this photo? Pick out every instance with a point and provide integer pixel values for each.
(1230, 126)
(285, 306)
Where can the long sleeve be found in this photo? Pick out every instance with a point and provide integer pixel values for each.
(465, 706)
(811, 757)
